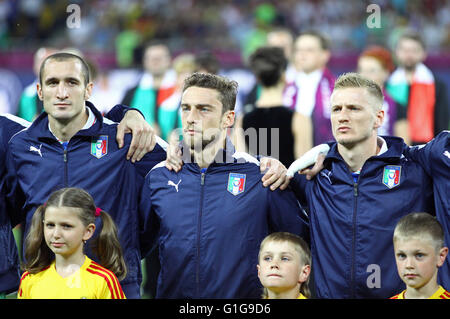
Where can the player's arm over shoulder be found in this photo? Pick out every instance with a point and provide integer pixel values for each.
(435, 152)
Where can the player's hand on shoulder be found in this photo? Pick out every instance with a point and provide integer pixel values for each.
(274, 173)
(143, 135)
(174, 159)
(313, 171)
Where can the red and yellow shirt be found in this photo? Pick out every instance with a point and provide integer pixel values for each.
(91, 281)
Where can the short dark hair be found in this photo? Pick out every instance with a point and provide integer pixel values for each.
(323, 40)
(412, 35)
(227, 88)
(268, 64)
(64, 56)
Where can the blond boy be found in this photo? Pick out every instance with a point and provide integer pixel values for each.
(284, 266)
(419, 252)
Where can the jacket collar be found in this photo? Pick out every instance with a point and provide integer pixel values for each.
(223, 156)
(40, 127)
(395, 146)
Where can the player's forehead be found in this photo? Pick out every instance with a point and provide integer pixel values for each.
(350, 96)
(61, 69)
(195, 95)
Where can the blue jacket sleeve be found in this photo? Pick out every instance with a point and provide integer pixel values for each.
(431, 155)
(298, 186)
(117, 113)
(15, 198)
(286, 214)
(148, 221)
(157, 155)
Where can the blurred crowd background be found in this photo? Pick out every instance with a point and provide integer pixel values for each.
(113, 34)
(115, 38)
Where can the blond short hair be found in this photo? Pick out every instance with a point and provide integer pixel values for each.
(355, 80)
(418, 225)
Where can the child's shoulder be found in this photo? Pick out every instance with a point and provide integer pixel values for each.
(105, 276)
(441, 293)
(27, 275)
(98, 270)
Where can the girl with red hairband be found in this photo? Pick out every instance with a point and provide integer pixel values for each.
(56, 266)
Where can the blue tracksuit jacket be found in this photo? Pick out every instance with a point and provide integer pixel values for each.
(42, 165)
(209, 231)
(435, 160)
(352, 224)
(9, 261)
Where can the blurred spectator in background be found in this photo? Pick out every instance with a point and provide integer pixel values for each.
(184, 65)
(283, 39)
(310, 93)
(376, 64)
(280, 132)
(29, 105)
(104, 96)
(156, 85)
(10, 89)
(420, 95)
(206, 62)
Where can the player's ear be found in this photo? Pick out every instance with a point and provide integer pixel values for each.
(228, 119)
(88, 91)
(379, 118)
(39, 91)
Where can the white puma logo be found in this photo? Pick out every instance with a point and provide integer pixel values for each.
(37, 150)
(446, 153)
(327, 176)
(174, 185)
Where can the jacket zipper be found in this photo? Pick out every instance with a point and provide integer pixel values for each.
(199, 228)
(352, 272)
(66, 177)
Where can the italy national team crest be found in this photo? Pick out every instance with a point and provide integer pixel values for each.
(99, 146)
(391, 175)
(236, 183)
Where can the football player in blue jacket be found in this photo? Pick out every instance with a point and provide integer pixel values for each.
(71, 144)
(209, 218)
(354, 203)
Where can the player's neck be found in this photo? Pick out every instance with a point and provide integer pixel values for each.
(65, 130)
(206, 156)
(67, 265)
(355, 155)
(288, 294)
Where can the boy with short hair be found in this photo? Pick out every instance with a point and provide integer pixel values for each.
(284, 265)
(419, 252)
